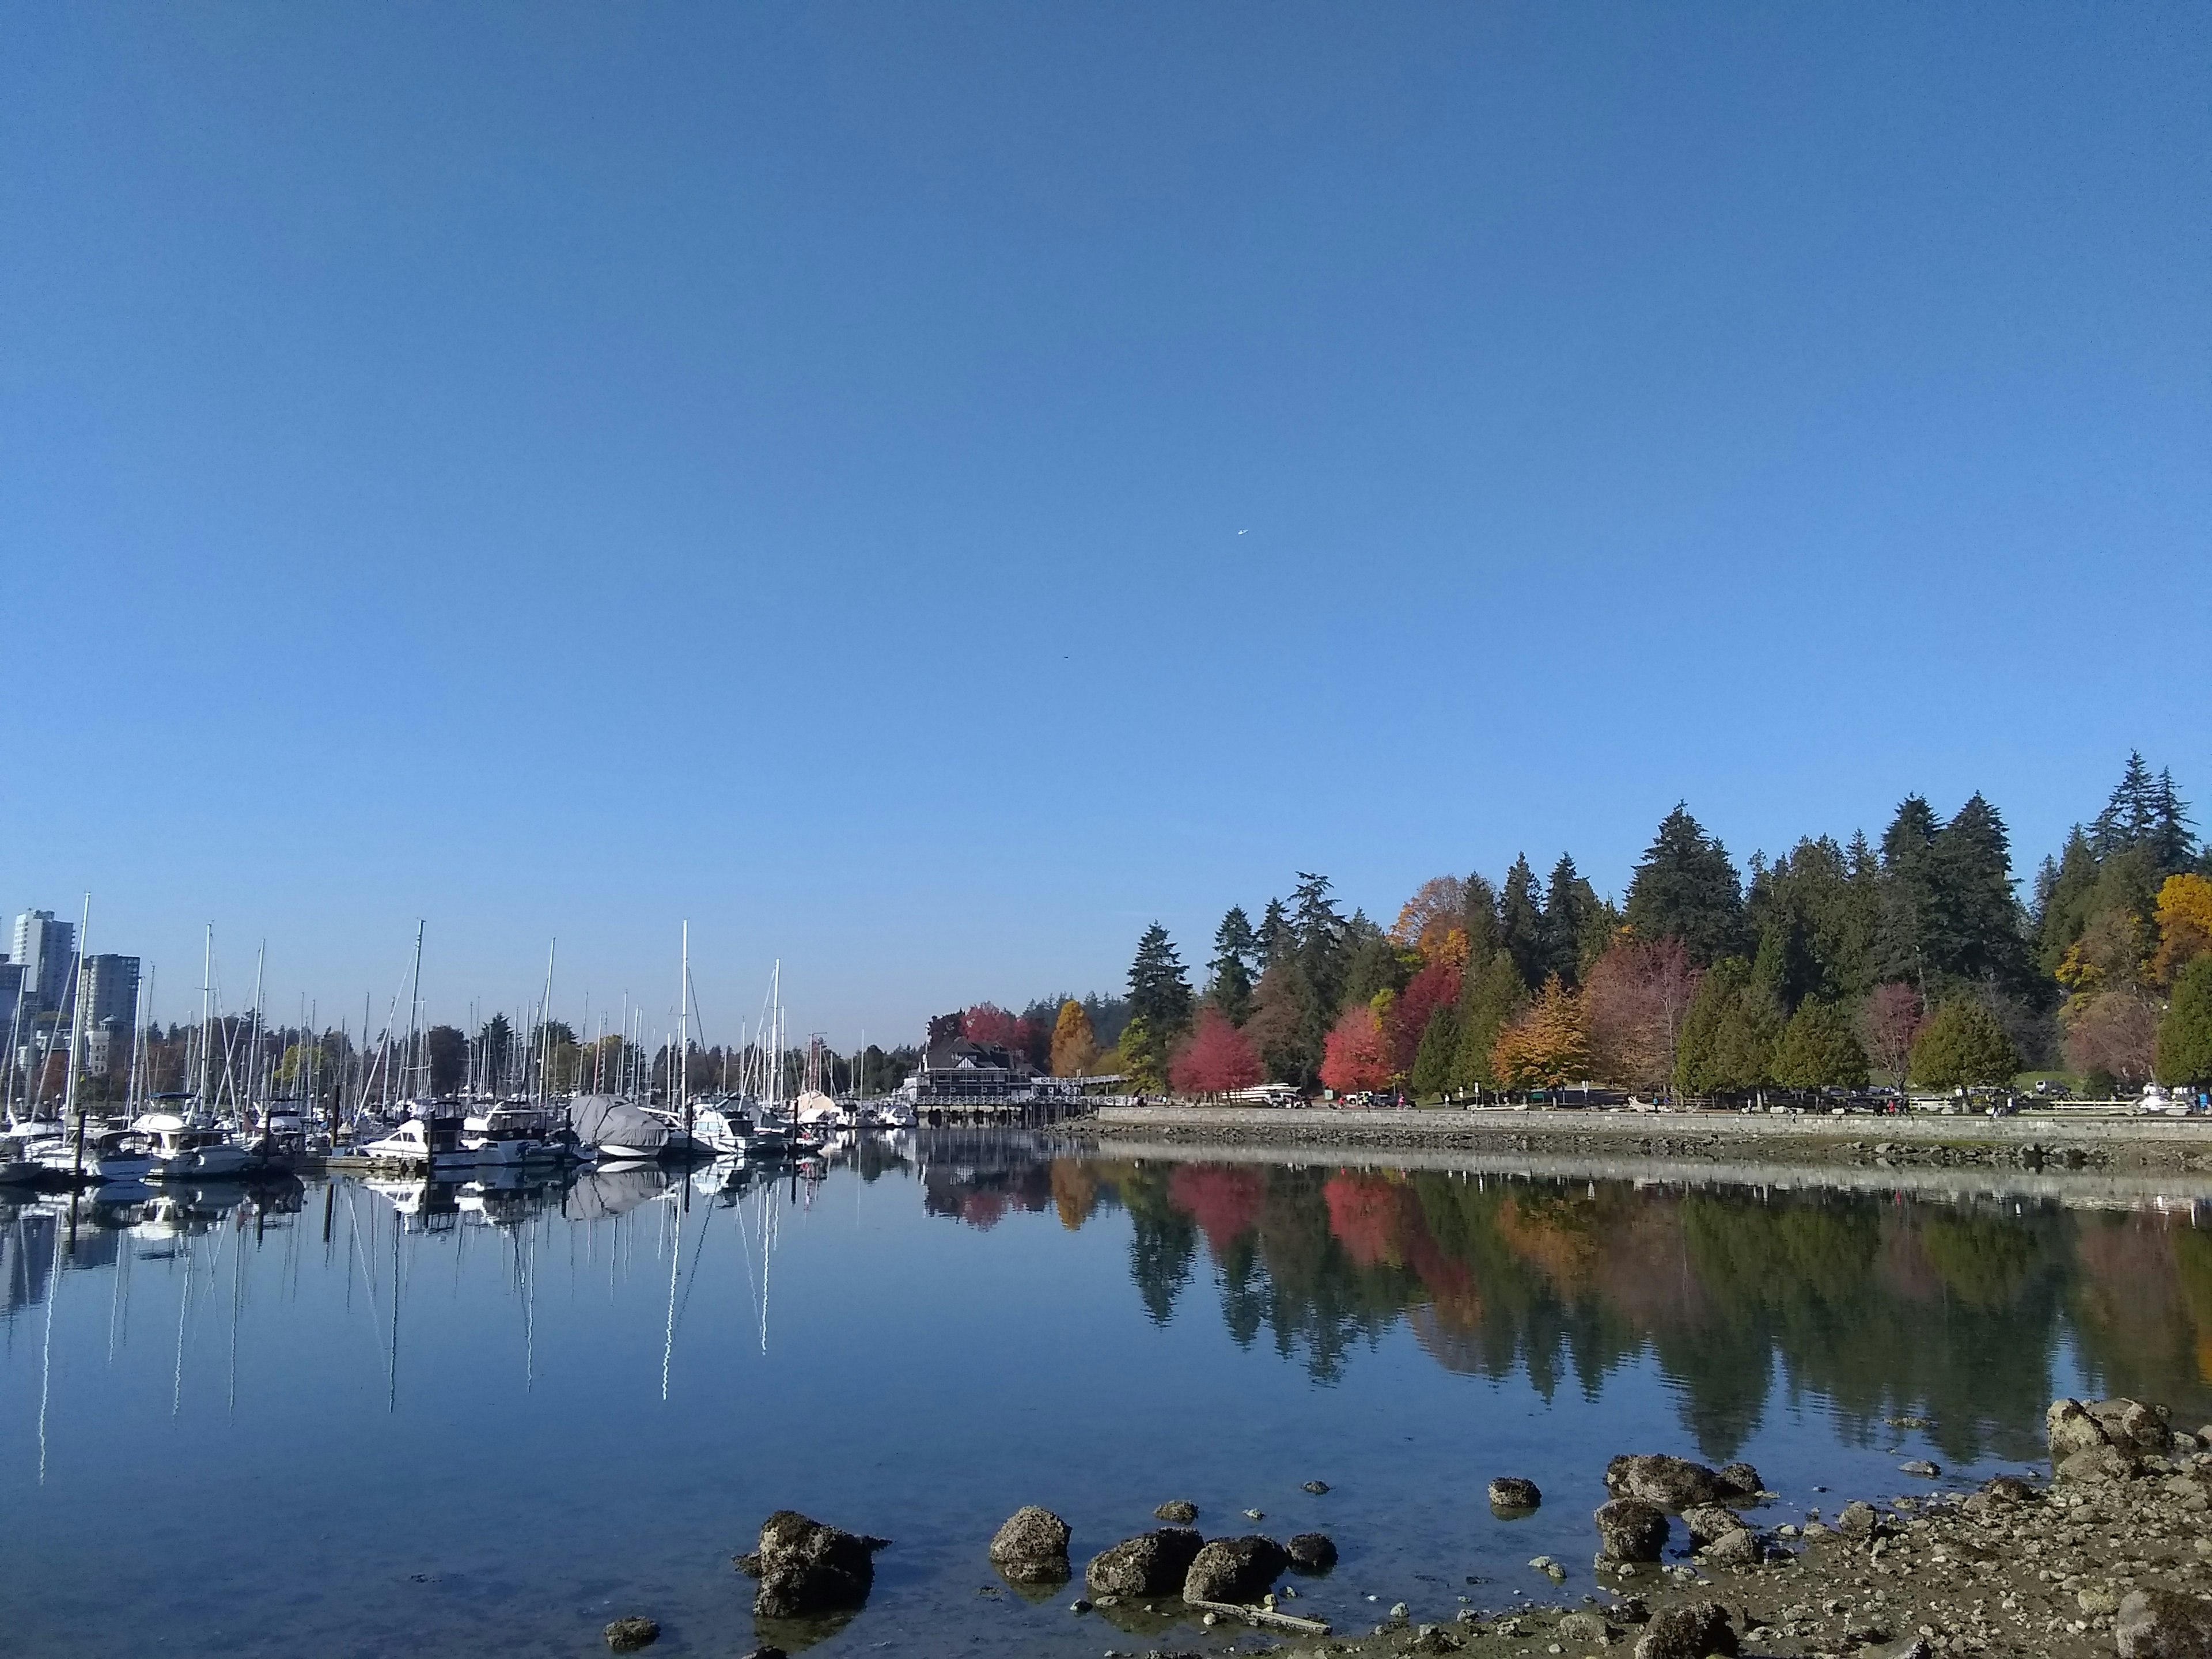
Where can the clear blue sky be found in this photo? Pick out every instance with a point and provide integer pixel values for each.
(923, 490)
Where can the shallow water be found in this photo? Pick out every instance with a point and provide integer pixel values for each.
(357, 1418)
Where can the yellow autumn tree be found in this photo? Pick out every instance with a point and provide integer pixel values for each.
(1074, 1044)
(2185, 925)
(1547, 1046)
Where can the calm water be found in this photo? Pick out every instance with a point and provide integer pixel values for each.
(355, 1417)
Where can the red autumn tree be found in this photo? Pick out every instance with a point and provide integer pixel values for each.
(1634, 999)
(1436, 986)
(988, 1023)
(1357, 1055)
(1217, 1058)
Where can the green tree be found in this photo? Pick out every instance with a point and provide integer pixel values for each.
(1479, 904)
(1144, 1055)
(1431, 1076)
(1490, 996)
(1576, 925)
(1728, 1034)
(2184, 1035)
(1963, 1045)
(1378, 964)
(1908, 893)
(1521, 922)
(1974, 934)
(1277, 940)
(1236, 951)
(1819, 1049)
(1159, 993)
(1813, 913)
(1685, 888)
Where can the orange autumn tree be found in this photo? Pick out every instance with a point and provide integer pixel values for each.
(1547, 1046)
(1356, 1056)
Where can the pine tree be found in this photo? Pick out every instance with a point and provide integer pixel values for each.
(1573, 915)
(1907, 893)
(2172, 840)
(1962, 1045)
(2130, 816)
(1729, 1033)
(1235, 948)
(2062, 894)
(1973, 935)
(1685, 888)
(1159, 993)
(1521, 922)
(1478, 904)
(1819, 1050)
(1490, 997)
(1277, 940)
(2184, 1035)
(1431, 1076)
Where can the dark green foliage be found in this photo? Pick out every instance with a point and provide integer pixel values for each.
(1432, 1076)
(448, 1051)
(1235, 952)
(1575, 923)
(1963, 1046)
(2064, 899)
(1685, 888)
(1908, 887)
(1491, 994)
(2184, 1036)
(2145, 814)
(1976, 934)
(1378, 963)
(1728, 1033)
(1484, 936)
(1813, 913)
(1276, 938)
(1820, 1049)
(1159, 993)
(1520, 923)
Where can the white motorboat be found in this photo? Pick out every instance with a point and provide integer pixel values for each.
(120, 1155)
(184, 1150)
(432, 1145)
(897, 1115)
(508, 1136)
(19, 1161)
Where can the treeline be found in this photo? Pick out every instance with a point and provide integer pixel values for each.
(1909, 961)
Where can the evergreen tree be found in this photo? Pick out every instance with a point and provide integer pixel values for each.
(2172, 840)
(1321, 937)
(1908, 900)
(1521, 922)
(1490, 996)
(1973, 935)
(1478, 904)
(1144, 1055)
(1547, 1046)
(1685, 888)
(1431, 1076)
(1729, 1033)
(1159, 993)
(1277, 940)
(1378, 963)
(2130, 816)
(2184, 1035)
(1819, 1049)
(1236, 950)
(2062, 892)
(1574, 920)
(1963, 1045)
(1812, 922)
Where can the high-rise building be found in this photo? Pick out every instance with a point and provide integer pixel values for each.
(44, 947)
(110, 992)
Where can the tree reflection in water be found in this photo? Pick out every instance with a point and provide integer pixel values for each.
(1970, 1314)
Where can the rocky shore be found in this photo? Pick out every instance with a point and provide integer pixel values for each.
(2030, 1143)
(2112, 1554)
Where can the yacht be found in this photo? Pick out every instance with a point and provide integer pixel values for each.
(430, 1143)
(120, 1155)
(508, 1136)
(184, 1150)
(19, 1164)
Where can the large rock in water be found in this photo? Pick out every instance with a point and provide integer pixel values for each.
(2157, 1624)
(2133, 1426)
(1514, 1495)
(1673, 1483)
(805, 1567)
(1235, 1570)
(1311, 1552)
(1031, 1548)
(1690, 1632)
(1151, 1564)
(2067, 1429)
(1631, 1529)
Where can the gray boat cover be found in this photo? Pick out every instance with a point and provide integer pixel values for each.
(598, 1119)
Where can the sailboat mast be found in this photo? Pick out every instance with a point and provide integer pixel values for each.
(683, 1031)
(414, 1002)
(76, 1032)
(207, 1021)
